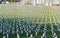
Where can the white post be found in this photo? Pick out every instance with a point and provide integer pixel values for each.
(31, 36)
(7, 35)
(36, 33)
(17, 35)
(3, 36)
(27, 33)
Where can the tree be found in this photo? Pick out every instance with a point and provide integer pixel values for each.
(4, 1)
(28, 3)
(11, 1)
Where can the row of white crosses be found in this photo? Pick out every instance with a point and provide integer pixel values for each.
(58, 27)
(39, 26)
(43, 36)
(5, 29)
(52, 29)
(45, 28)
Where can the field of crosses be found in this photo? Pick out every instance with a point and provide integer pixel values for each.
(29, 22)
